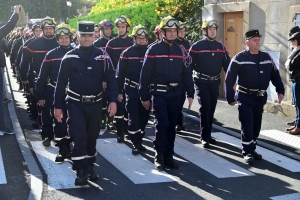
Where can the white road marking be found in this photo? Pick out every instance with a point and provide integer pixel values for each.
(207, 160)
(280, 136)
(2, 171)
(60, 176)
(137, 168)
(268, 155)
(294, 196)
(102, 131)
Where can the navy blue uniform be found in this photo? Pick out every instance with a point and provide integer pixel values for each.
(162, 74)
(251, 72)
(128, 76)
(101, 43)
(44, 89)
(83, 74)
(208, 58)
(186, 44)
(10, 25)
(33, 57)
(114, 49)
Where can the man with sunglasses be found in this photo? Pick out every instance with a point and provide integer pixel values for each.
(30, 68)
(128, 76)
(83, 70)
(165, 68)
(208, 58)
(114, 49)
(186, 44)
(45, 86)
(106, 28)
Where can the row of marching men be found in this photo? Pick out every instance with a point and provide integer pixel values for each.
(78, 87)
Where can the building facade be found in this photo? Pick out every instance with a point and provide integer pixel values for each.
(273, 18)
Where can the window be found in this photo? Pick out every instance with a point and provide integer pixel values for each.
(297, 19)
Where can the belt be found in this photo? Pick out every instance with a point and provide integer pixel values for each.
(256, 92)
(164, 88)
(52, 83)
(206, 77)
(131, 83)
(84, 98)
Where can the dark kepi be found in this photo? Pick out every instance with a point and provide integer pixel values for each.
(252, 33)
(86, 27)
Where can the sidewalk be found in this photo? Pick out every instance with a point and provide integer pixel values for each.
(272, 135)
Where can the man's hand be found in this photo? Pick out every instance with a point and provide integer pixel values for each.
(112, 109)
(17, 8)
(233, 103)
(58, 114)
(190, 102)
(31, 91)
(146, 104)
(42, 102)
(280, 98)
(25, 82)
(104, 85)
(120, 97)
(13, 64)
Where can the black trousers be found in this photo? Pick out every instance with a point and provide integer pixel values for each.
(84, 122)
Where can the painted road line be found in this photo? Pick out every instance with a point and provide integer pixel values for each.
(2, 171)
(271, 156)
(60, 176)
(294, 196)
(283, 137)
(102, 131)
(137, 168)
(211, 163)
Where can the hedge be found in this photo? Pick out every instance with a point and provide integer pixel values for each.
(143, 14)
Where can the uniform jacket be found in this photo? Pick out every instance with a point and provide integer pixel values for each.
(35, 54)
(252, 72)
(15, 48)
(10, 25)
(101, 43)
(130, 65)
(49, 72)
(84, 75)
(293, 63)
(187, 45)
(208, 57)
(164, 64)
(116, 46)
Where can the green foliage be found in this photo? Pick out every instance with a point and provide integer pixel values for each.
(141, 14)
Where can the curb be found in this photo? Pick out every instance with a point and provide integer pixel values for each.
(36, 177)
(187, 118)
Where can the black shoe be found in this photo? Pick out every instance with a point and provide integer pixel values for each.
(63, 153)
(136, 149)
(178, 128)
(46, 142)
(142, 148)
(159, 161)
(204, 144)
(82, 177)
(257, 156)
(212, 141)
(120, 137)
(35, 124)
(170, 163)
(248, 158)
(92, 176)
